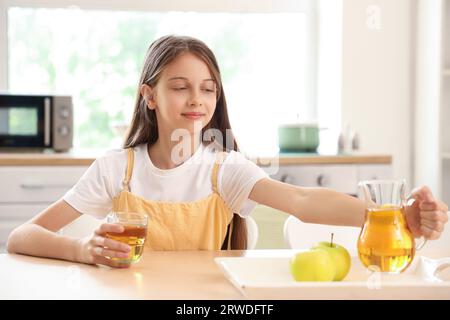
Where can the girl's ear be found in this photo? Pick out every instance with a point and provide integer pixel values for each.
(148, 95)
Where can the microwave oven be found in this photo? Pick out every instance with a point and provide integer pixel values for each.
(36, 122)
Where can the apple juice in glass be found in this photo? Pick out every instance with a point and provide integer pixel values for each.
(134, 234)
(385, 243)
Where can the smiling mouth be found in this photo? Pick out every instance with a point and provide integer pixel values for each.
(193, 116)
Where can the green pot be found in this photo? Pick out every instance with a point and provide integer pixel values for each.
(298, 137)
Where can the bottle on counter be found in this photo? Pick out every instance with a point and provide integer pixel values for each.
(348, 141)
(355, 142)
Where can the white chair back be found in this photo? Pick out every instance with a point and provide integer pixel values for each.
(252, 233)
(301, 235)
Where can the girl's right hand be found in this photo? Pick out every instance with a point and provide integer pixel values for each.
(97, 249)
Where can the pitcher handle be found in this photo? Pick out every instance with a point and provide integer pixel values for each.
(409, 201)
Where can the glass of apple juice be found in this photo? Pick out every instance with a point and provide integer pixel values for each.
(134, 234)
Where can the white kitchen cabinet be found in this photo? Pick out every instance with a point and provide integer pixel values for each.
(343, 178)
(27, 190)
(20, 211)
(37, 184)
(374, 172)
(339, 177)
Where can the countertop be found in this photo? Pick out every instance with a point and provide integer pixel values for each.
(176, 275)
(86, 157)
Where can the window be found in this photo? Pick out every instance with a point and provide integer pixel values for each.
(266, 55)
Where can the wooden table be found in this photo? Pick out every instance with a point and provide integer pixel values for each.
(159, 275)
(181, 275)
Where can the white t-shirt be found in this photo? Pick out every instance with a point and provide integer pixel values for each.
(190, 181)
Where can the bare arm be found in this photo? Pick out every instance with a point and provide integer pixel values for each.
(311, 205)
(38, 236)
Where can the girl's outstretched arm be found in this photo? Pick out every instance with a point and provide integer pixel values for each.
(311, 205)
(426, 216)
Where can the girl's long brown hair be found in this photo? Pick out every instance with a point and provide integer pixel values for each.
(144, 125)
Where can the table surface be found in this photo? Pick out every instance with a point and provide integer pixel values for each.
(158, 275)
(174, 275)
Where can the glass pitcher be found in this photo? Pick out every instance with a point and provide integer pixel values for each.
(385, 243)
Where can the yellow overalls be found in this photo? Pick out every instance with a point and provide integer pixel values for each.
(196, 225)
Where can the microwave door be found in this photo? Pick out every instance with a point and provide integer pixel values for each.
(25, 121)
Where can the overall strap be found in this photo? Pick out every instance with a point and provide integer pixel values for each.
(129, 172)
(214, 177)
(215, 173)
(230, 233)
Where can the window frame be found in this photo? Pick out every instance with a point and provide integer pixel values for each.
(309, 7)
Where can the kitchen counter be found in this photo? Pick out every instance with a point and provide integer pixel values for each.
(159, 275)
(49, 158)
(86, 157)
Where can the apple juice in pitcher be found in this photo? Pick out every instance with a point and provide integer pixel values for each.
(385, 243)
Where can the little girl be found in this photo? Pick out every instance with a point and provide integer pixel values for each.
(180, 165)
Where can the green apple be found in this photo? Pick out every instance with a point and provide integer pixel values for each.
(340, 257)
(312, 265)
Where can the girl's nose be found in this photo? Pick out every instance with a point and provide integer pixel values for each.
(195, 99)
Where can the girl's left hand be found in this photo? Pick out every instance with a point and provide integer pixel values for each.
(426, 216)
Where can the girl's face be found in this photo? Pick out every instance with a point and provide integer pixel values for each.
(184, 97)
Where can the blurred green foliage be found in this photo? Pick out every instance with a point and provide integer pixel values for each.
(96, 57)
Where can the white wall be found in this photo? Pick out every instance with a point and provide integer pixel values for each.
(427, 95)
(329, 74)
(377, 77)
(3, 50)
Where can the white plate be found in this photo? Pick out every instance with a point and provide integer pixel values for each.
(270, 278)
